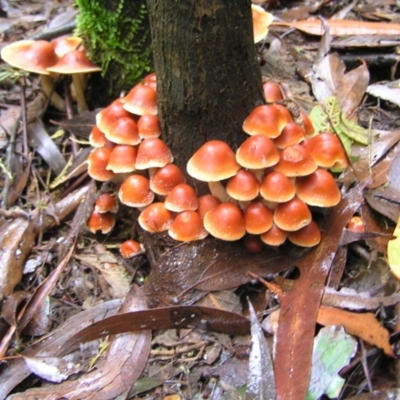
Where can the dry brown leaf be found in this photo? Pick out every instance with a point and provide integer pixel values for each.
(124, 363)
(343, 27)
(16, 242)
(17, 370)
(300, 305)
(362, 325)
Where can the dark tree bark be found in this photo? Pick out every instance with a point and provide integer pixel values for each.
(208, 77)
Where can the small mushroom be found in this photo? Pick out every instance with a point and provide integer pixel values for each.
(155, 218)
(187, 227)
(131, 248)
(135, 191)
(225, 222)
(213, 162)
(265, 120)
(101, 222)
(106, 202)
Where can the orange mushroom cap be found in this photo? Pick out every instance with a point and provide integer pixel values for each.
(166, 178)
(149, 126)
(257, 152)
(107, 118)
(131, 248)
(106, 202)
(97, 137)
(292, 215)
(64, 44)
(74, 62)
(328, 152)
(103, 222)
(258, 218)
(124, 131)
(141, 100)
(187, 227)
(253, 244)
(122, 159)
(272, 91)
(243, 186)
(212, 162)
(307, 124)
(182, 198)
(265, 120)
(207, 202)
(97, 164)
(291, 134)
(155, 218)
(153, 153)
(261, 21)
(277, 187)
(225, 222)
(135, 191)
(274, 237)
(30, 55)
(151, 80)
(318, 189)
(295, 160)
(308, 236)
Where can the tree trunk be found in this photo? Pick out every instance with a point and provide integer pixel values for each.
(208, 77)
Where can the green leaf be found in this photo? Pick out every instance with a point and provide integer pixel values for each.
(333, 349)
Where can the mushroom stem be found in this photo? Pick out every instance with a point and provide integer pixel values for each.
(80, 96)
(218, 190)
(48, 89)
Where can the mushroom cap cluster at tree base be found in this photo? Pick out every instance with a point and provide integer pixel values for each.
(263, 190)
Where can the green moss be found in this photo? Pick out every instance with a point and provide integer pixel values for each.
(116, 37)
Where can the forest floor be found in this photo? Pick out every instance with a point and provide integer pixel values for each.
(196, 332)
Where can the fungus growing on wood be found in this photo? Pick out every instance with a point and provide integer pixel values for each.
(257, 152)
(153, 153)
(274, 237)
(207, 202)
(149, 126)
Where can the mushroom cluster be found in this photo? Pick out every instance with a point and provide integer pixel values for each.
(64, 55)
(273, 178)
(265, 188)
